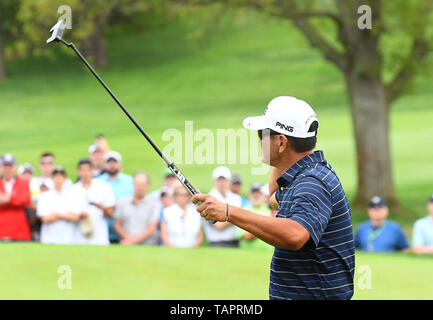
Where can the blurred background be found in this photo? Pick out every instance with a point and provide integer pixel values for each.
(215, 63)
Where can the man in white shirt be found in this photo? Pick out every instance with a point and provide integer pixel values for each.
(222, 234)
(58, 211)
(43, 183)
(97, 199)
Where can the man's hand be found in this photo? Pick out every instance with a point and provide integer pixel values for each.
(210, 208)
(130, 240)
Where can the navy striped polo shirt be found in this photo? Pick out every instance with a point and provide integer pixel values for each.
(311, 194)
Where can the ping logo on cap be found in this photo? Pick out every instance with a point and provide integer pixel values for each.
(285, 127)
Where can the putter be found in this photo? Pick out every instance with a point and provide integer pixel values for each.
(56, 36)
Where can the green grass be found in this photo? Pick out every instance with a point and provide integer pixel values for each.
(115, 272)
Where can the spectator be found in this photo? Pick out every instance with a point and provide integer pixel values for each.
(96, 156)
(58, 211)
(102, 143)
(166, 191)
(136, 217)
(121, 183)
(222, 234)
(97, 200)
(236, 188)
(14, 198)
(26, 171)
(380, 234)
(258, 205)
(423, 232)
(181, 225)
(44, 182)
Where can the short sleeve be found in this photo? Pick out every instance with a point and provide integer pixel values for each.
(358, 238)
(417, 235)
(117, 214)
(43, 206)
(155, 214)
(109, 198)
(311, 207)
(402, 242)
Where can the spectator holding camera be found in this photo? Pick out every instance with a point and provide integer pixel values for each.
(96, 199)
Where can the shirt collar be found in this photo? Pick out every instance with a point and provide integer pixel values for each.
(294, 170)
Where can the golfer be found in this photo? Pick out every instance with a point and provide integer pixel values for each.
(314, 256)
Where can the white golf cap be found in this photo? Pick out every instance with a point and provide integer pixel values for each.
(286, 115)
(113, 155)
(221, 172)
(93, 147)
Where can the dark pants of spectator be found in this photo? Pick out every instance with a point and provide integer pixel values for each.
(225, 244)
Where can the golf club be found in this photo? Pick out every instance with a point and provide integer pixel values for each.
(57, 33)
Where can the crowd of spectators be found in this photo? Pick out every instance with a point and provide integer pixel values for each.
(106, 205)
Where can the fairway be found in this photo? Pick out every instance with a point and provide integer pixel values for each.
(115, 272)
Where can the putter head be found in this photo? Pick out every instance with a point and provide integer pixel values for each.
(57, 31)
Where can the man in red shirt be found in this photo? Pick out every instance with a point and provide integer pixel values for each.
(14, 198)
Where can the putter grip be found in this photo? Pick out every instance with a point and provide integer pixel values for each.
(188, 186)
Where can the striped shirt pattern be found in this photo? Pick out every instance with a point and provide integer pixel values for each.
(311, 194)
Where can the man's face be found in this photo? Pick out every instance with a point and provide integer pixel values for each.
(222, 184)
(257, 197)
(236, 188)
(181, 197)
(27, 175)
(85, 172)
(58, 179)
(169, 181)
(47, 165)
(97, 158)
(377, 215)
(270, 145)
(141, 185)
(113, 167)
(8, 171)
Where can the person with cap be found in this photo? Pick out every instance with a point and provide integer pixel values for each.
(314, 255)
(26, 171)
(379, 234)
(121, 183)
(422, 237)
(258, 205)
(14, 199)
(223, 233)
(96, 199)
(58, 211)
(96, 156)
(236, 188)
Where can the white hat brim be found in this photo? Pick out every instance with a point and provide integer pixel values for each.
(255, 123)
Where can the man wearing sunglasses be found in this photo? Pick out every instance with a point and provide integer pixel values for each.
(314, 256)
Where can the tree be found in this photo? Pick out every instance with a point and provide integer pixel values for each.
(91, 20)
(8, 12)
(375, 75)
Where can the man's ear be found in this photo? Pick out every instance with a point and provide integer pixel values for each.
(283, 143)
